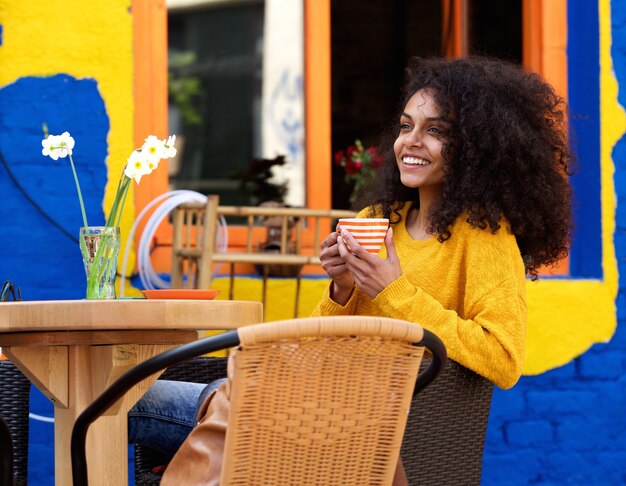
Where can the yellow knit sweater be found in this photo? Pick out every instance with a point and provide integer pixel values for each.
(469, 291)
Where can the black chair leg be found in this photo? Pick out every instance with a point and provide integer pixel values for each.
(14, 407)
(6, 455)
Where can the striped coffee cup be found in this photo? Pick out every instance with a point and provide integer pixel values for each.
(369, 232)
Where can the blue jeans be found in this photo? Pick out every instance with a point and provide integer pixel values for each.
(164, 416)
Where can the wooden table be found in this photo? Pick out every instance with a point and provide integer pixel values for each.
(72, 350)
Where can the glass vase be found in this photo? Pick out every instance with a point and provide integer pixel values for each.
(100, 247)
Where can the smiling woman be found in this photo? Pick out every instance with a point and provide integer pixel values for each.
(466, 222)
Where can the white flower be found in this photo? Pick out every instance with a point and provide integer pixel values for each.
(137, 166)
(48, 143)
(57, 146)
(170, 150)
(153, 149)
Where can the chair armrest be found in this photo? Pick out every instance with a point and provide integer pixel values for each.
(437, 364)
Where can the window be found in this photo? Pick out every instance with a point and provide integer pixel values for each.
(220, 49)
(236, 94)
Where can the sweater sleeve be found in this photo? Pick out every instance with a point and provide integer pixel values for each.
(490, 341)
(328, 307)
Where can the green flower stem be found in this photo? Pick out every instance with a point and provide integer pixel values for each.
(80, 194)
(96, 270)
(123, 200)
(111, 218)
(118, 203)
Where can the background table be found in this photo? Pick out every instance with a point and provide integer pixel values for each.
(72, 350)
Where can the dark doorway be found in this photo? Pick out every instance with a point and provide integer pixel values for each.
(371, 43)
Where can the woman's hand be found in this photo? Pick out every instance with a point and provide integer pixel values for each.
(336, 268)
(370, 272)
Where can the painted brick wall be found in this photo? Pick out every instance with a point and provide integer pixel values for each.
(565, 426)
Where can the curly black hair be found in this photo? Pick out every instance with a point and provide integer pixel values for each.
(506, 151)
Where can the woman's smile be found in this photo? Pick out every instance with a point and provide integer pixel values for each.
(414, 161)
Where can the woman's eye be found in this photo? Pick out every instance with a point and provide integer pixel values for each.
(405, 126)
(438, 132)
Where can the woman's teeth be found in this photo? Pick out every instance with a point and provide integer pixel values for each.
(414, 161)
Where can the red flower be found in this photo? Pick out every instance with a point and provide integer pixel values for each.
(377, 160)
(359, 164)
(352, 167)
(339, 156)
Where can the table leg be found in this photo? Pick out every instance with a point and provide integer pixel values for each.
(82, 377)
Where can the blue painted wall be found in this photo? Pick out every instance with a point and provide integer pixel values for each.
(40, 209)
(39, 193)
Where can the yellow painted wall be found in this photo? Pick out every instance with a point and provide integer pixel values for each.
(84, 39)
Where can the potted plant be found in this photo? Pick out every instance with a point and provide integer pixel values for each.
(265, 192)
(360, 166)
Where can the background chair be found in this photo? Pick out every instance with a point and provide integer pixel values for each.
(273, 239)
(445, 434)
(14, 408)
(356, 374)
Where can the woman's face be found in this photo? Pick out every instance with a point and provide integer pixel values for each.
(420, 141)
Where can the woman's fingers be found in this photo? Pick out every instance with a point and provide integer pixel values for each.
(329, 241)
(371, 273)
(391, 248)
(353, 247)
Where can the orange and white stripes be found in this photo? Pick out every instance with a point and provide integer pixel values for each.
(368, 232)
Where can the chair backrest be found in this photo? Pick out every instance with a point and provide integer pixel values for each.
(321, 401)
(276, 240)
(444, 436)
(358, 401)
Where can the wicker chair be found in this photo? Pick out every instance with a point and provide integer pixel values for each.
(364, 368)
(445, 434)
(14, 406)
(444, 437)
